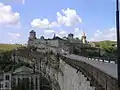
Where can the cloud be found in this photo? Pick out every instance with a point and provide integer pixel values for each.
(63, 32)
(64, 19)
(38, 23)
(105, 35)
(54, 24)
(67, 17)
(78, 32)
(23, 1)
(7, 16)
(14, 35)
(43, 24)
(48, 32)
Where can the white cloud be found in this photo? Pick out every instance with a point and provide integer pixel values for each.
(63, 32)
(68, 17)
(7, 16)
(78, 32)
(105, 35)
(14, 35)
(23, 1)
(48, 31)
(37, 23)
(54, 24)
(44, 24)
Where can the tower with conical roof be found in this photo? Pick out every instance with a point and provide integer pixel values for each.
(32, 35)
(70, 36)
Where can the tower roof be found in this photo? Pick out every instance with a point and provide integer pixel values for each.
(70, 35)
(32, 31)
(42, 37)
(54, 36)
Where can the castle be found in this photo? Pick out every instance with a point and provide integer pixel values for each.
(56, 44)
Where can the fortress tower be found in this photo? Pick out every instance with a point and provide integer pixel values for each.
(32, 35)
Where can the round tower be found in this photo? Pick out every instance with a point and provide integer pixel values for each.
(32, 35)
(42, 37)
(70, 36)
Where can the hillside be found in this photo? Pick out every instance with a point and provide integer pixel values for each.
(8, 47)
(107, 43)
(109, 47)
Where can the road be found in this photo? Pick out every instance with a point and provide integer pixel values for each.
(108, 68)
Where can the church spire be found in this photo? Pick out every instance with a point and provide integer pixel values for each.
(54, 35)
(84, 38)
(84, 34)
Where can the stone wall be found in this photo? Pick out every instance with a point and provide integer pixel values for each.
(61, 75)
(71, 79)
(67, 77)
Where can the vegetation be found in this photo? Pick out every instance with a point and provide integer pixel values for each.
(109, 48)
(8, 47)
(7, 64)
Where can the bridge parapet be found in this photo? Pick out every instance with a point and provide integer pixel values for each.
(97, 78)
(54, 68)
(102, 59)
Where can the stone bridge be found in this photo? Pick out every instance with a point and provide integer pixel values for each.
(71, 72)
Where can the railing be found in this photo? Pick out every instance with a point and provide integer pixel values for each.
(97, 78)
(103, 59)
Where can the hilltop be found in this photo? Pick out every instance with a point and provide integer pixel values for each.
(9, 47)
(110, 47)
(106, 43)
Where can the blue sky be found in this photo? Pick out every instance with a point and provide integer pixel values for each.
(94, 17)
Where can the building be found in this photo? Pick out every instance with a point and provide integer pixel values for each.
(83, 39)
(11, 80)
(56, 44)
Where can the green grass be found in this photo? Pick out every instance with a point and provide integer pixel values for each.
(9, 47)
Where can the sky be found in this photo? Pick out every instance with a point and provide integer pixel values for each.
(94, 17)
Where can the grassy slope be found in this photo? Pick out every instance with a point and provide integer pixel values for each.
(105, 43)
(8, 47)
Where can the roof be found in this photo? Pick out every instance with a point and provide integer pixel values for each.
(23, 70)
(57, 38)
(32, 31)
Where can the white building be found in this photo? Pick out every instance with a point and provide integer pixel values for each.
(13, 79)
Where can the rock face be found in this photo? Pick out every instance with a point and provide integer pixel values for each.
(71, 80)
(60, 75)
(66, 77)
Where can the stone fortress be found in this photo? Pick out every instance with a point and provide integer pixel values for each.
(64, 45)
(56, 44)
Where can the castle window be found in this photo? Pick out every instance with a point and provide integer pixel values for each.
(6, 85)
(0, 86)
(7, 77)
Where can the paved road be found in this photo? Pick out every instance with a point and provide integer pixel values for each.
(109, 68)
